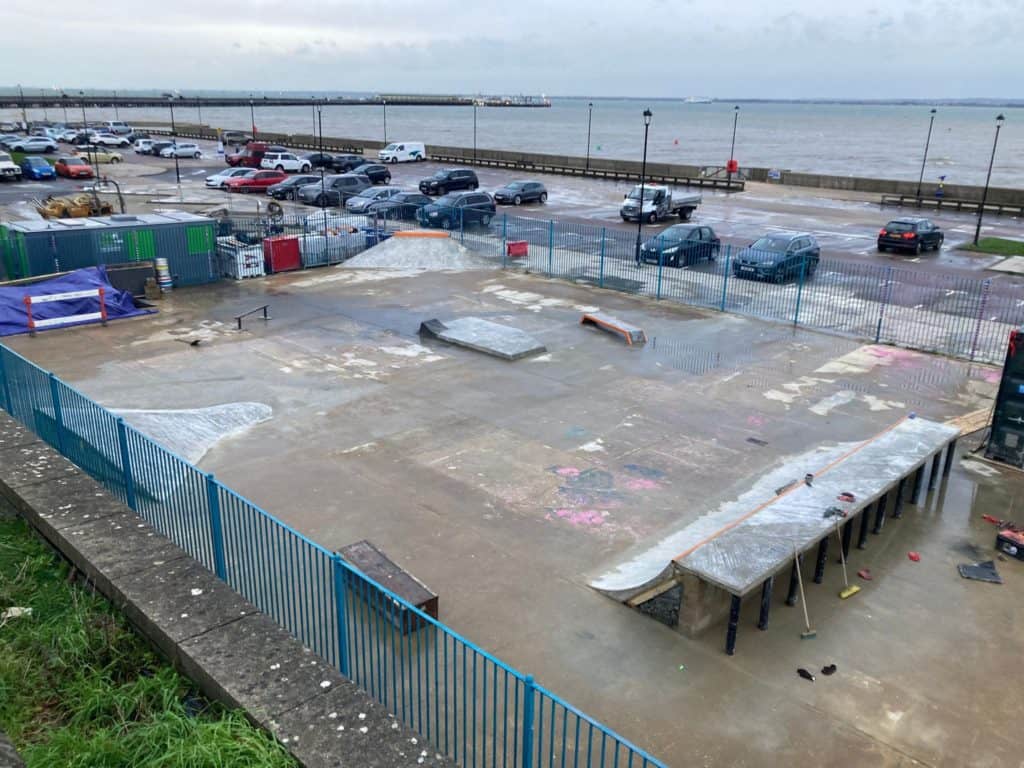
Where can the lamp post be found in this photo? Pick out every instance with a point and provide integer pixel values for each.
(1000, 119)
(920, 179)
(732, 147)
(590, 118)
(474, 131)
(117, 115)
(64, 104)
(323, 183)
(384, 103)
(252, 116)
(174, 142)
(643, 179)
(85, 127)
(24, 114)
(199, 109)
(42, 96)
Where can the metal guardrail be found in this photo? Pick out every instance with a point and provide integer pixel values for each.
(952, 204)
(465, 702)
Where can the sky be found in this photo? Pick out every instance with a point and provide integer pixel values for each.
(871, 49)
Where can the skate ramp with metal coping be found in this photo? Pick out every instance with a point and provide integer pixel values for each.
(633, 335)
(419, 253)
(484, 336)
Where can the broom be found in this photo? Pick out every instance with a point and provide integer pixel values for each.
(809, 633)
(846, 591)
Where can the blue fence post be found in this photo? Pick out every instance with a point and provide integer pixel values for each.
(800, 290)
(528, 696)
(5, 387)
(216, 529)
(341, 616)
(725, 275)
(985, 287)
(504, 240)
(126, 463)
(58, 415)
(551, 244)
(881, 305)
(462, 225)
(661, 266)
(600, 273)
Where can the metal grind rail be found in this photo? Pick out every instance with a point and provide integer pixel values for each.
(465, 702)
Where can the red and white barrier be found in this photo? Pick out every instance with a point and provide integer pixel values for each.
(55, 322)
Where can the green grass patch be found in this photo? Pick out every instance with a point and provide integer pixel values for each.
(79, 689)
(17, 157)
(996, 245)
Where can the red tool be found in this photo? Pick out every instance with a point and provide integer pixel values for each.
(914, 556)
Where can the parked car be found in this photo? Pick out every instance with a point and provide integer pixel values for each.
(285, 161)
(319, 160)
(117, 127)
(403, 152)
(910, 234)
(10, 171)
(220, 179)
(143, 146)
(29, 144)
(37, 169)
(182, 150)
(289, 188)
(73, 168)
(361, 202)
(659, 202)
(134, 136)
(257, 182)
(159, 146)
(235, 137)
(99, 154)
(7, 138)
(335, 190)
(778, 257)
(252, 155)
(457, 210)
(109, 139)
(375, 172)
(448, 180)
(402, 206)
(681, 245)
(69, 135)
(519, 192)
(346, 163)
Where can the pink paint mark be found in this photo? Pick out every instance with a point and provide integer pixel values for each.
(896, 354)
(641, 484)
(756, 421)
(590, 518)
(567, 471)
(991, 377)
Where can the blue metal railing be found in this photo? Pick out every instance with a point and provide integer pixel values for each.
(465, 702)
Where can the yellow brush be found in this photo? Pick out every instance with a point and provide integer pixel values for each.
(846, 591)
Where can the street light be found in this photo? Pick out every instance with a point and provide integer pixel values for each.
(920, 179)
(643, 179)
(64, 104)
(117, 115)
(252, 117)
(42, 96)
(24, 114)
(323, 183)
(174, 142)
(590, 118)
(732, 147)
(474, 131)
(384, 103)
(199, 108)
(1000, 119)
(85, 128)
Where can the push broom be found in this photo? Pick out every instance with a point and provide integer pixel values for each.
(808, 633)
(846, 591)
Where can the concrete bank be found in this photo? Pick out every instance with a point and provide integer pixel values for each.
(234, 653)
(8, 754)
(669, 173)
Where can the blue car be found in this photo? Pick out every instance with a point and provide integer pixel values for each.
(37, 168)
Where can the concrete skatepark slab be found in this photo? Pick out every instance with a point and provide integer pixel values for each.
(484, 336)
(509, 488)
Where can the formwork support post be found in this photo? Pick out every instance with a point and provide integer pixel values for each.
(897, 507)
(883, 502)
(766, 602)
(846, 537)
(734, 622)
(949, 458)
(915, 495)
(794, 582)
(933, 476)
(865, 522)
(819, 567)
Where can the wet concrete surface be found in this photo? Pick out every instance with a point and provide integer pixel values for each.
(506, 486)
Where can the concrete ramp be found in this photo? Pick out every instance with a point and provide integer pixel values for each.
(633, 335)
(483, 336)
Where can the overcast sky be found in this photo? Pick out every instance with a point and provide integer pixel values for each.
(742, 48)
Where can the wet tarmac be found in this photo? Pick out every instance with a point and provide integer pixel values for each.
(506, 486)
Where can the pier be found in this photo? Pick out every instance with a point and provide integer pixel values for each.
(98, 100)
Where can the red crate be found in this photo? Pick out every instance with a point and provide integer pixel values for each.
(517, 249)
(282, 254)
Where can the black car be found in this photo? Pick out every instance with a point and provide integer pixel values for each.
(335, 191)
(448, 180)
(402, 206)
(458, 210)
(346, 163)
(681, 245)
(136, 135)
(159, 146)
(778, 257)
(319, 160)
(375, 172)
(910, 234)
(235, 137)
(519, 192)
(289, 188)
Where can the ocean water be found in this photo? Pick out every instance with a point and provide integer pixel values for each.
(884, 141)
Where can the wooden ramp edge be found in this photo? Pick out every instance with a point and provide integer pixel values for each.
(426, 234)
(631, 333)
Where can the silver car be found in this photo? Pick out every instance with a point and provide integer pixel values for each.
(33, 144)
(362, 202)
(220, 179)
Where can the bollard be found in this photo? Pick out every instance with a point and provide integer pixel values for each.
(340, 609)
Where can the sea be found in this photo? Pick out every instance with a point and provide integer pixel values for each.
(846, 139)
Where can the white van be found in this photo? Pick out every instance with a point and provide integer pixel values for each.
(403, 152)
(117, 127)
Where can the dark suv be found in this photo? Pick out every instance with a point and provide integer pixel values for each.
(448, 180)
(345, 163)
(378, 174)
(336, 190)
(778, 257)
(681, 245)
(457, 210)
(910, 234)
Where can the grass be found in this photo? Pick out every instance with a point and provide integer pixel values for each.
(17, 157)
(79, 689)
(996, 245)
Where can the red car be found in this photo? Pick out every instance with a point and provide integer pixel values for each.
(73, 168)
(257, 182)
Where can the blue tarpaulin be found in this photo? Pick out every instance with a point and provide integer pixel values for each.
(14, 314)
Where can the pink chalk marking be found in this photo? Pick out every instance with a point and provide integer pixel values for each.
(641, 484)
(585, 517)
(896, 354)
(567, 472)
(756, 421)
(991, 377)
